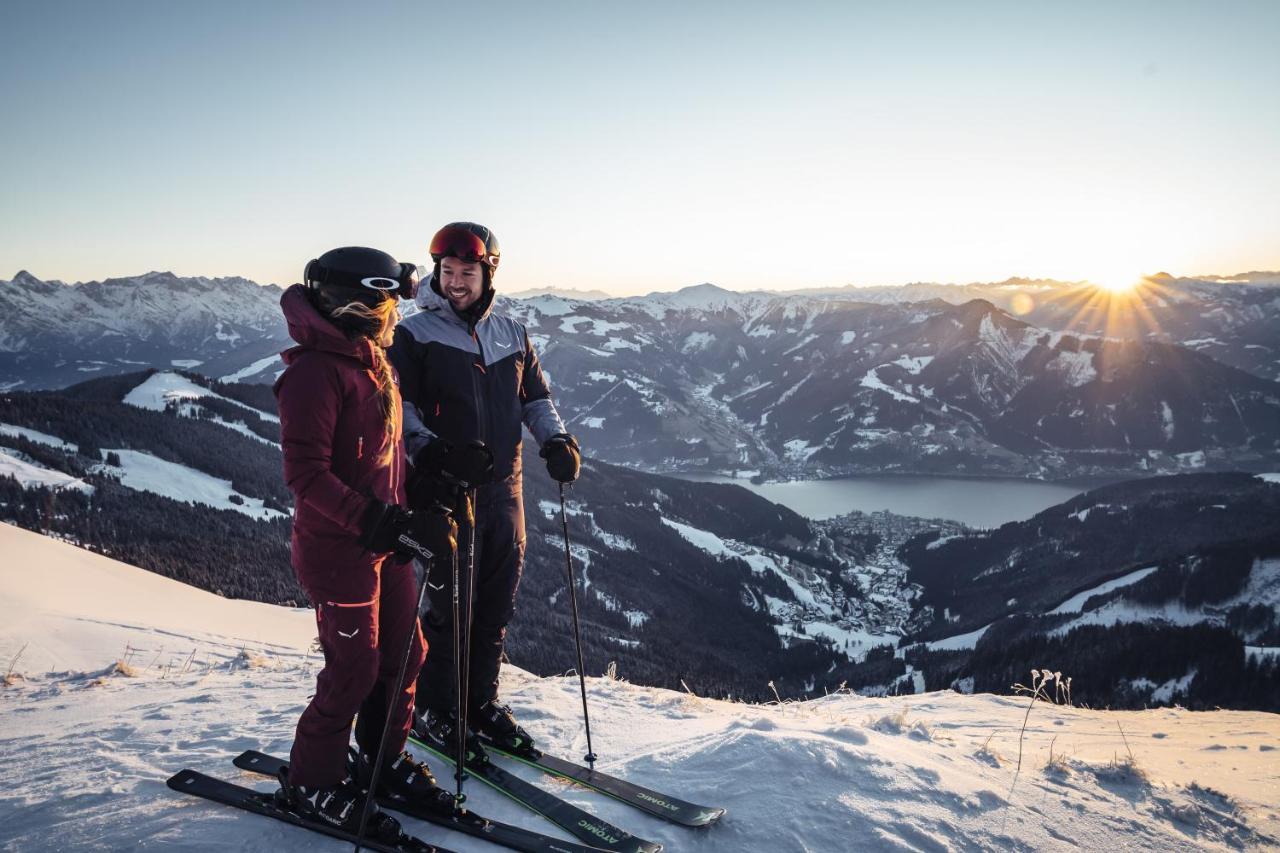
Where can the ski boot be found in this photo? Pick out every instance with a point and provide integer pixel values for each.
(403, 778)
(496, 725)
(439, 729)
(340, 806)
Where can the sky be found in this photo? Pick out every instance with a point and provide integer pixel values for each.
(640, 147)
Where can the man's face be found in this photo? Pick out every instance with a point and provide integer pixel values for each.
(461, 282)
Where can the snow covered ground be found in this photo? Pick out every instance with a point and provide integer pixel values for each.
(31, 474)
(86, 746)
(166, 387)
(147, 473)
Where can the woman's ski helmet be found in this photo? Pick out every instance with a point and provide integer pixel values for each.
(358, 274)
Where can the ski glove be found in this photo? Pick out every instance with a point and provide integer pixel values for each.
(563, 458)
(469, 465)
(388, 528)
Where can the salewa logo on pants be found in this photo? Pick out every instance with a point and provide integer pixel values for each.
(349, 636)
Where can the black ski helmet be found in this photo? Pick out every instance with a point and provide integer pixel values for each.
(359, 274)
(467, 241)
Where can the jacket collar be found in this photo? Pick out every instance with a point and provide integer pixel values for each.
(312, 331)
(429, 298)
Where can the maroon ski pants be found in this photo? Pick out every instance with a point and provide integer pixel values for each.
(363, 642)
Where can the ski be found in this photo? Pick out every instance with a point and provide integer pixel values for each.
(220, 791)
(467, 822)
(651, 802)
(578, 823)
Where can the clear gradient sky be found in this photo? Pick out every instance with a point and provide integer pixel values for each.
(644, 146)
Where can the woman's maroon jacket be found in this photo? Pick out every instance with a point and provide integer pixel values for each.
(331, 432)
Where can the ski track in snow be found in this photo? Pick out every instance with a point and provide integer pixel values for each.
(84, 754)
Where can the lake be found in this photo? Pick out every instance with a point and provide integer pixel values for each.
(972, 501)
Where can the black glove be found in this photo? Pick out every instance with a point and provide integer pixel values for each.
(434, 527)
(471, 464)
(563, 458)
(388, 528)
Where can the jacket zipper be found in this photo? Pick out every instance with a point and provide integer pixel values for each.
(478, 389)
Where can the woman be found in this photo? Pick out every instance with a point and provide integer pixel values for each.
(340, 427)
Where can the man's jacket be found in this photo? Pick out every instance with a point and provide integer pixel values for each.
(463, 382)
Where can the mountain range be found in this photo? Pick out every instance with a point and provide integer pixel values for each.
(1023, 377)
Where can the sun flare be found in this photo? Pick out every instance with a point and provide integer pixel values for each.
(1120, 283)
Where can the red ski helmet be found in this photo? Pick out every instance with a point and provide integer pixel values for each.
(468, 242)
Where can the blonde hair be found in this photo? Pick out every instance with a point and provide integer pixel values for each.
(385, 316)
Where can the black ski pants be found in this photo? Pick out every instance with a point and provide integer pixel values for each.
(500, 544)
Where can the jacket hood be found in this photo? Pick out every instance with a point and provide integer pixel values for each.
(312, 331)
(429, 298)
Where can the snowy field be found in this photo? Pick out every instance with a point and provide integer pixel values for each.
(86, 744)
(146, 473)
(160, 389)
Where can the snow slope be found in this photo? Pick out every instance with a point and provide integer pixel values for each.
(84, 751)
(38, 437)
(32, 475)
(147, 473)
(165, 387)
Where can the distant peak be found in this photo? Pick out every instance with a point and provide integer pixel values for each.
(24, 277)
(979, 306)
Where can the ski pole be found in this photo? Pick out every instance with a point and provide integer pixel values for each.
(470, 604)
(395, 688)
(461, 655)
(590, 757)
(460, 735)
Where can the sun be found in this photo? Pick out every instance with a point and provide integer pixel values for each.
(1120, 282)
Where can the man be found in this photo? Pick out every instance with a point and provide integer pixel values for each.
(469, 379)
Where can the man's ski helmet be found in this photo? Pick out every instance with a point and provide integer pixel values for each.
(358, 274)
(468, 242)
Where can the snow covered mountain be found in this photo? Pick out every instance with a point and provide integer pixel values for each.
(1204, 534)
(1232, 318)
(118, 678)
(812, 386)
(921, 378)
(54, 334)
(1164, 590)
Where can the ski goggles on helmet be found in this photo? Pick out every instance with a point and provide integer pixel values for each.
(456, 241)
(365, 288)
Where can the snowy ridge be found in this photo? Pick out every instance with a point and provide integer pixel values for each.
(210, 677)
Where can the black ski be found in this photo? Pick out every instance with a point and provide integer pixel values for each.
(649, 801)
(472, 824)
(219, 791)
(578, 823)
